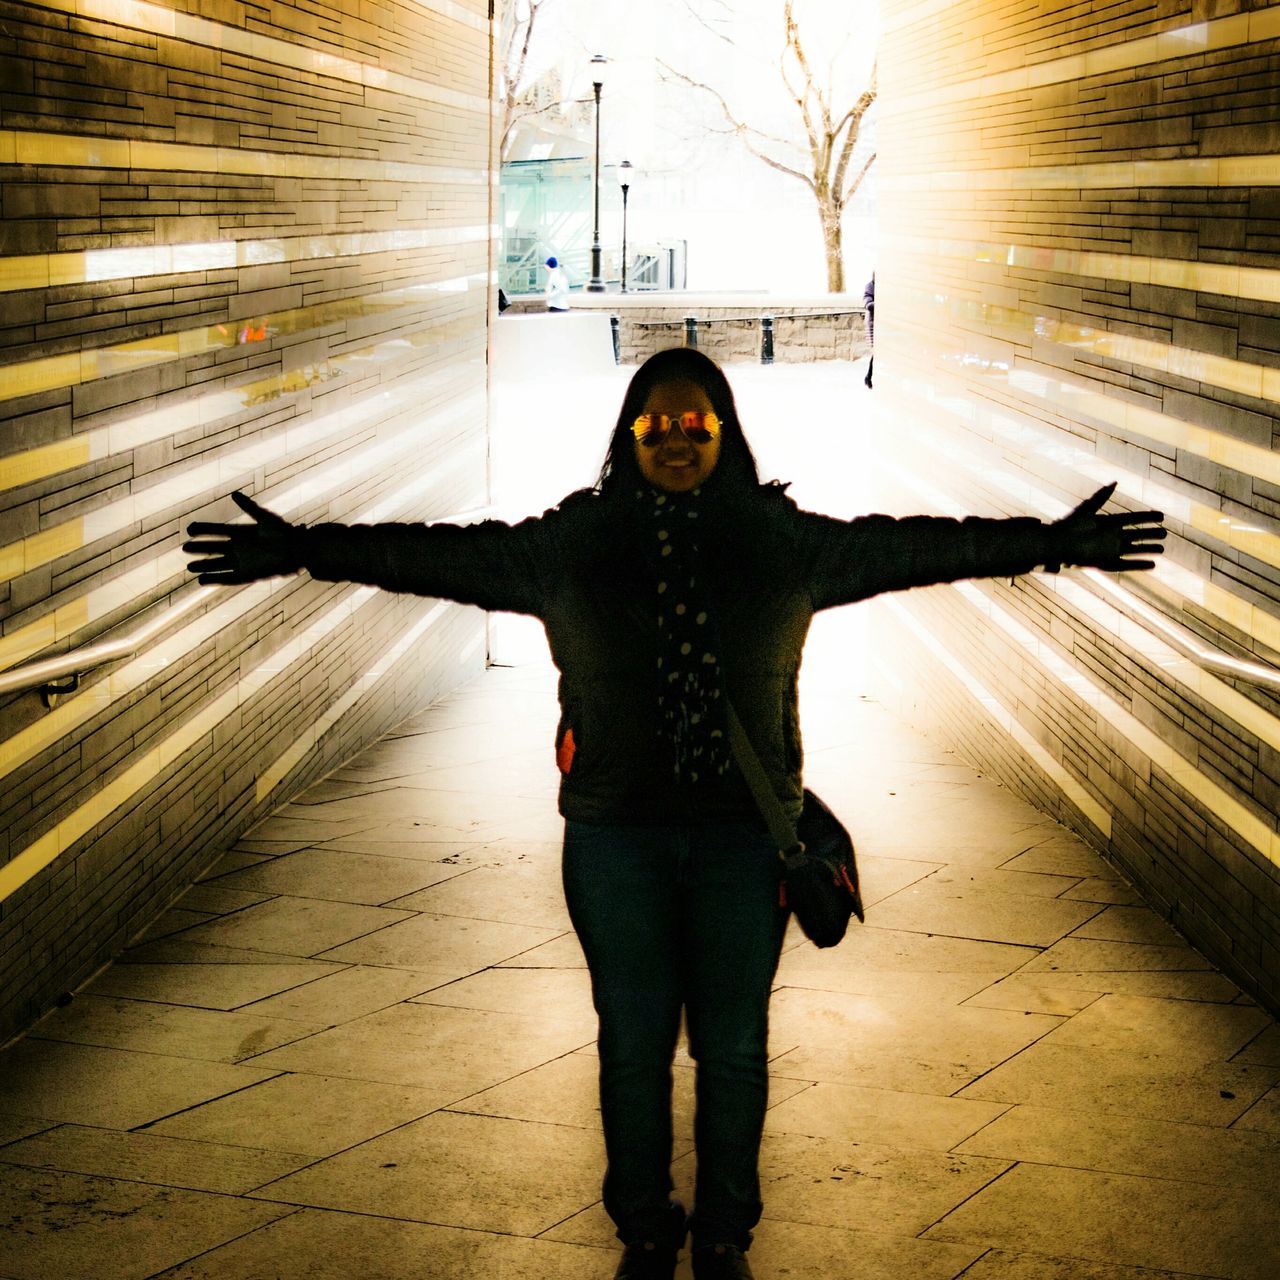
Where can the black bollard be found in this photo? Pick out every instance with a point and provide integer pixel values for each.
(614, 325)
(766, 339)
(691, 332)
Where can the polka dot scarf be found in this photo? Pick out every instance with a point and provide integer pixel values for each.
(688, 641)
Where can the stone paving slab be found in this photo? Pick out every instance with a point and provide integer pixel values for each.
(153, 1158)
(313, 1244)
(68, 1224)
(1185, 1226)
(110, 1088)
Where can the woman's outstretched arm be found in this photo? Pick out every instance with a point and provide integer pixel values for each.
(854, 559)
(490, 564)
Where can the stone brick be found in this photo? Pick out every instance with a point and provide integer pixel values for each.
(40, 200)
(1236, 139)
(27, 236)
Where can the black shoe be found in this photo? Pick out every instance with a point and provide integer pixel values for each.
(720, 1262)
(647, 1260)
(651, 1255)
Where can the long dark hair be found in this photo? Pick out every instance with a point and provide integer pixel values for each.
(737, 467)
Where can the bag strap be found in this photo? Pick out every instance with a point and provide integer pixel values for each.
(781, 828)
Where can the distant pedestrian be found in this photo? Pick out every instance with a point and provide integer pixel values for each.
(557, 286)
(869, 301)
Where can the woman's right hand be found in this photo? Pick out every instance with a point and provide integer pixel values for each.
(232, 554)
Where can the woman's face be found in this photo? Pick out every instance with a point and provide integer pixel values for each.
(677, 464)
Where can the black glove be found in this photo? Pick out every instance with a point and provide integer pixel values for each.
(239, 553)
(1084, 538)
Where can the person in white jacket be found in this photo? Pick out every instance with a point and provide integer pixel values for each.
(557, 287)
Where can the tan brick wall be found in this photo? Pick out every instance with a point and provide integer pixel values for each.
(1079, 282)
(243, 246)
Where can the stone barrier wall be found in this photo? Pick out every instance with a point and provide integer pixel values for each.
(727, 330)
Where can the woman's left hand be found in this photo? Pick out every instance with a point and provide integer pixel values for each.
(1114, 543)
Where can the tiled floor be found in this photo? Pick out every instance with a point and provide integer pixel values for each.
(363, 1045)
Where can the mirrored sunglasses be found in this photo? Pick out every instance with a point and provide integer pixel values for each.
(651, 429)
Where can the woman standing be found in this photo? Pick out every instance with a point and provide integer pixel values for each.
(678, 584)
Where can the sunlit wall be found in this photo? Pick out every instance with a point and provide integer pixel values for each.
(1079, 281)
(244, 246)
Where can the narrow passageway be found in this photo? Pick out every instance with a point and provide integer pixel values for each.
(256, 247)
(363, 1044)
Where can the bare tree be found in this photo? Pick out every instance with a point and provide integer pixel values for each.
(823, 157)
(523, 98)
(518, 100)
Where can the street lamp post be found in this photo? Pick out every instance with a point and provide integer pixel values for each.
(625, 173)
(596, 284)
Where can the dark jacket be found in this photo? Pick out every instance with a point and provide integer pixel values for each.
(771, 567)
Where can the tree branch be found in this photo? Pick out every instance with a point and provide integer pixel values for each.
(781, 168)
(519, 116)
(819, 138)
(848, 194)
(514, 77)
(706, 22)
(858, 110)
(735, 124)
(846, 153)
(745, 133)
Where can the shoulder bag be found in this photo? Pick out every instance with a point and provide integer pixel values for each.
(819, 867)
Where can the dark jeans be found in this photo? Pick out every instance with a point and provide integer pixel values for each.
(673, 916)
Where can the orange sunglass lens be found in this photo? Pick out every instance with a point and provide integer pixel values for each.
(652, 428)
(646, 428)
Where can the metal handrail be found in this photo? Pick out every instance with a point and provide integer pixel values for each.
(1134, 601)
(46, 672)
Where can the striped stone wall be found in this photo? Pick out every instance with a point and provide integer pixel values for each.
(243, 246)
(1079, 282)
